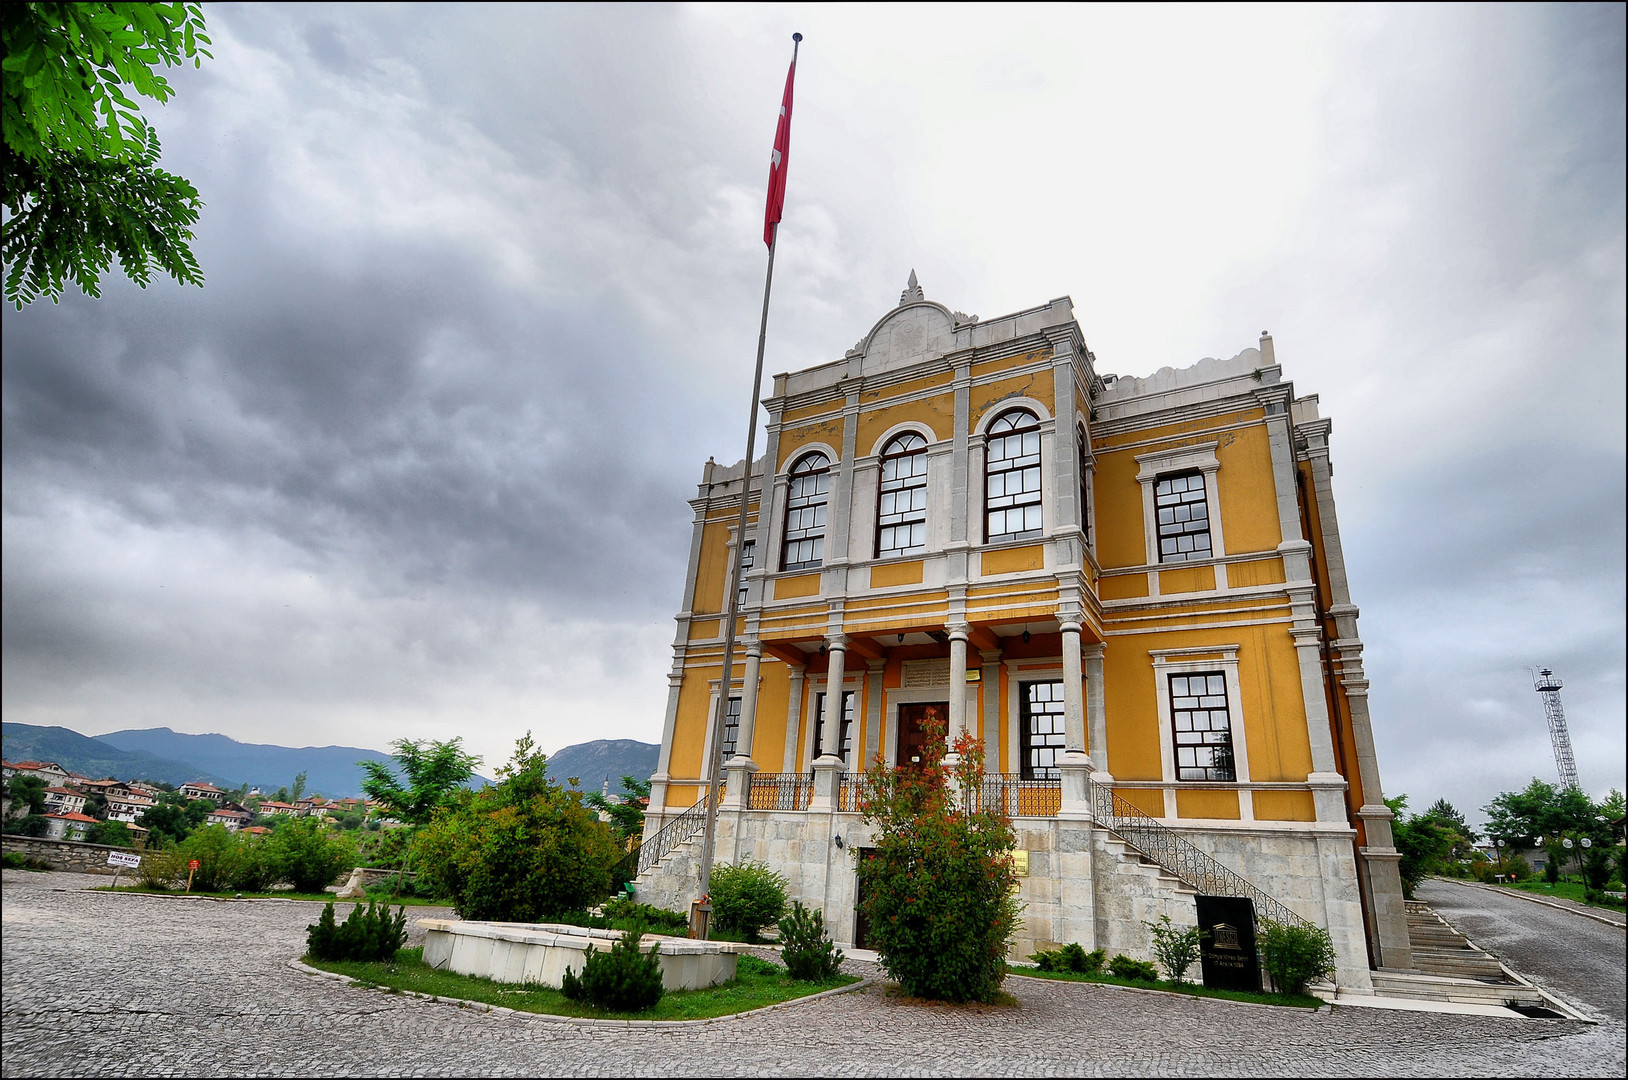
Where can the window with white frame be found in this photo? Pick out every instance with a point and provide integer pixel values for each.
(805, 512)
(846, 734)
(1012, 477)
(732, 726)
(748, 553)
(1183, 517)
(901, 504)
(1040, 714)
(1085, 485)
(1203, 727)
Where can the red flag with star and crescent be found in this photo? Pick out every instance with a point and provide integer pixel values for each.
(777, 162)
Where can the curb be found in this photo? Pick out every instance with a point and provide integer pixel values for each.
(1538, 900)
(1324, 1008)
(103, 890)
(583, 1021)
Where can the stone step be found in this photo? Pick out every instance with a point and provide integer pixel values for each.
(1442, 988)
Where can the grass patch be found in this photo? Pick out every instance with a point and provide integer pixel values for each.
(282, 894)
(757, 983)
(15, 860)
(1296, 1001)
(1563, 890)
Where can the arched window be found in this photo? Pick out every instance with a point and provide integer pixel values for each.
(805, 512)
(901, 506)
(1012, 477)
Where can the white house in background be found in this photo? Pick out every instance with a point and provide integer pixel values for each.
(53, 774)
(234, 818)
(127, 808)
(71, 826)
(200, 790)
(271, 806)
(64, 800)
(141, 787)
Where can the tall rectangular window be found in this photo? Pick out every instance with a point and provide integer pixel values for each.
(1184, 518)
(1012, 478)
(1198, 710)
(901, 505)
(847, 732)
(806, 492)
(748, 554)
(732, 726)
(1040, 717)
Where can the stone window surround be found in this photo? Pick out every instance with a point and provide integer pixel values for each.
(853, 682)
(736, 686)
(978, 465)
(1187, 661)
(866, 490)
(1199, 456)
(896, 696)
(771, 531)
(1040, 669)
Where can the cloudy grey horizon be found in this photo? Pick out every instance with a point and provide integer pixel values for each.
(482, 297)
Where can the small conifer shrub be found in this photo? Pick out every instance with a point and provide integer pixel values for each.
(367, 934)
(1126, 968)
(809, 953)
(620, 980)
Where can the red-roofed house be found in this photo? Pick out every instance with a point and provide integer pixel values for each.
(64, 800)
(270, 806)
(200, 790)
(67, 826)
(127, 808)
(231, 817)
(49, 771)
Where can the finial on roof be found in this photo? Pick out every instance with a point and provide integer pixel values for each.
(912, 291)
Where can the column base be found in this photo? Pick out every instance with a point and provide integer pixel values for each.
(1328, 795)
(827, 783)
(1075, 766)
(738, 774)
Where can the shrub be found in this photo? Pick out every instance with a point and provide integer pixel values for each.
(16, 860)
(1126, 968)
(307, 856)
(111, 833)
(1294, 954)
(1596, 867)
(367, 934)
(28, 825)
(809, 953)
(747, 964)
(162, 867)
(1071, 957)
(747, 897)
(1551, 869)
(659, 920)
(1518, 868)
(621, 980)
(1176, 949)
(212, 847)
(939, 885)
(521, 850)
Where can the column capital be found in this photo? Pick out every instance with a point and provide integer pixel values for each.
(836, 642)
(959, 631)
(1070, 627)
(753, 647)
(1094, 651)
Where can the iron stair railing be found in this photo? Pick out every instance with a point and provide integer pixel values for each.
(670, 836)
(1178, 856)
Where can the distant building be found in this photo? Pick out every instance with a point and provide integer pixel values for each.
(64, 800)
(233, 817)
(72, 826)
(128, 808)
(200, 790)
(49, 771)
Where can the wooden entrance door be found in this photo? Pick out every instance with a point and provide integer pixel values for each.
(912, 738)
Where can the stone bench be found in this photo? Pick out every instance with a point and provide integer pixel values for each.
(540, 953)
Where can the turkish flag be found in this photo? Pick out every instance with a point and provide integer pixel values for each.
(777, 162)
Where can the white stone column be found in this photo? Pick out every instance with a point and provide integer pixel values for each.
(794, 719)
(959, 633)
(739, 769)
(828, 765)
(1073, 762)
(1327, 785)
(1096, 712)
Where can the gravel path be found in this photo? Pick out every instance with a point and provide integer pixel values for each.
(97, 984)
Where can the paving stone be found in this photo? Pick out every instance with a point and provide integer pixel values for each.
(95, 984)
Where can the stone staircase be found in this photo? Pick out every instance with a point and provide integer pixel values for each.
(1449, 967)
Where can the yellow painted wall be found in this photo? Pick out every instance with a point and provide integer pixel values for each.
(1133, 712)
(1285, 806)
(710, 574)
(1186, 579)
(1149, 801)
(792, 440)
(805, 585)
(1199, 803)
(1014, 560)
(1118, 498)
(983, 367)
(690, 726)
(909, 386)
(774, 692)
(1123, 587)
(1249, 507)
(884, 575)
(1273, 705)
(996, 395)
(1259, 572)
(938, 413)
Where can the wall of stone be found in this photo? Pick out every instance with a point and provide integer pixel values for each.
(72, 855)
(1084, 884)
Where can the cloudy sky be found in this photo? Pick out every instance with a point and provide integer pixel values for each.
(483, 290)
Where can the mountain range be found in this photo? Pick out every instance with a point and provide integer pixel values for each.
(172, 757)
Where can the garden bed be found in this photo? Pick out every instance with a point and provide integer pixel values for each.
(277, 894)
(757, 984)
(1295, 1001)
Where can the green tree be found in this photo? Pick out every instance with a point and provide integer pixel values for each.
(28, 791)
(166, 821)
(1446, 814)
(81, 178)
(939, 886)
(1543, 810)
(1424, 842)
(307, 855)
(111, 833)
(522, 850)
(627, 816)
(433, 771)
(298, 790)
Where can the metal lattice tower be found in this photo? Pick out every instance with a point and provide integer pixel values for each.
(1548, 687)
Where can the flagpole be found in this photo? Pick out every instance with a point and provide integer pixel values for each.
(715, 746)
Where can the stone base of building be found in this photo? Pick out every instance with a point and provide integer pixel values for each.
(1083, 883)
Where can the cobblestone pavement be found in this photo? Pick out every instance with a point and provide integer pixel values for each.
(1581, 960)
(130, 985)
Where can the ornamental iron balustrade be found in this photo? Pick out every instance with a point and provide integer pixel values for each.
(852, 791)
(1177, 855)
(780, 791)
(670, 836)
(1016, 796)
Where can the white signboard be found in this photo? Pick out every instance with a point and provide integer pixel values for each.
(123, 858)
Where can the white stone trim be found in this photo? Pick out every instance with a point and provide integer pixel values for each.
(1200, 456)
(852, 683)
(1006, 405)
(1167, 662)
(1038, 669)
(900, 428)
(803, 451)
(736, 685)
(894, 697)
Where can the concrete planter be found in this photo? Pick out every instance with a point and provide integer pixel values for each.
(540, 953)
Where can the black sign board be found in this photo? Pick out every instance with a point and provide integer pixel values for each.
(1228, 952)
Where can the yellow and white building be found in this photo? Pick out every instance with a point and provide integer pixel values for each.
(1130, 590)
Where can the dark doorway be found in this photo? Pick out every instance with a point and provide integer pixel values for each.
(862, 926)
(912, 743)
